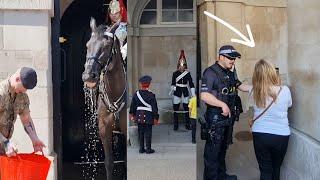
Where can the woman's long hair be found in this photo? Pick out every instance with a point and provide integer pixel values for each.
(263, 79)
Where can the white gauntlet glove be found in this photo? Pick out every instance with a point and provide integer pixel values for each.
(193, 92)
(173, 88)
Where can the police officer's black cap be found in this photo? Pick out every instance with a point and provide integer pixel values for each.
(229, 51)
(145, 79)
(28, 77)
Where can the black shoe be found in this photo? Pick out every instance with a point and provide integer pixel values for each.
(142, 151)
(231, 177)
(150, 151)
(188, 127)
(193, 141)
(175, 128)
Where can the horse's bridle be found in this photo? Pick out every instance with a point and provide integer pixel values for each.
(97, 59)
(116, 106)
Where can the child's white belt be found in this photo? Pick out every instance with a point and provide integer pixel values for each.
(144, 108)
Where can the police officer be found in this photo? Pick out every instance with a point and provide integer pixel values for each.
(14, 101)
(181, 79)
(144, 111)
(219, 91)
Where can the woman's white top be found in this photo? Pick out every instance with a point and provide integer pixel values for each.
(275, 119)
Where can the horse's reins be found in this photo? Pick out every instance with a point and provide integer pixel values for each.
(116, 106)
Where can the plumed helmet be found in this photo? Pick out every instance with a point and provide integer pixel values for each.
(182, 61)
(116, 6)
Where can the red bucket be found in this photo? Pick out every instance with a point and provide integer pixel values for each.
(24, 167)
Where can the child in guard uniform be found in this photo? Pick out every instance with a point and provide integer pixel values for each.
(144, 111)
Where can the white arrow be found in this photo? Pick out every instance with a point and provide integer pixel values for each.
(247, 42)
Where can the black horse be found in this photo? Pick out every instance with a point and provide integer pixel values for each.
(105, 69)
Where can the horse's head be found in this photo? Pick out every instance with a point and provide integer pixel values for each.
(99, 51)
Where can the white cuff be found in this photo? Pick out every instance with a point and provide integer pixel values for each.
(123, 50)
(173, 88)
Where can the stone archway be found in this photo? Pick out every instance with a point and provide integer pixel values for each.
(75, 29)
(135, 9)
(64, 4)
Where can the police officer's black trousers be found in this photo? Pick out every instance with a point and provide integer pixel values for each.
(186, 115)
(214, 156)
(145, 131)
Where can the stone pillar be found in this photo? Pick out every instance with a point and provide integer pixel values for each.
(303, 156)
(207, 29)
(25, 28)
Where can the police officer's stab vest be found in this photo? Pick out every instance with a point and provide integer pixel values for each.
(226, 87)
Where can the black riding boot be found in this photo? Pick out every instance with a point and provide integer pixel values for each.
(175, 116)
(186, 116)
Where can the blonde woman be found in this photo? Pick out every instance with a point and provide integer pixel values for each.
(271, 129)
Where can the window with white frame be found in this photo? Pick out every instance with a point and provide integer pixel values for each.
(164, 12)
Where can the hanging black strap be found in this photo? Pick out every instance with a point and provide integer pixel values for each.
(254, 119)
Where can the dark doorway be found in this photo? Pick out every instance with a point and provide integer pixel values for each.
(75, 29)
(198, 60)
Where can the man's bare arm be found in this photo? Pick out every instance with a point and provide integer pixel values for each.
(31, 131)
(211, 99)
(245, 87)
(28, 125)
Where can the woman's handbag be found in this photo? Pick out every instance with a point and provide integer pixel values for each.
(252, 120)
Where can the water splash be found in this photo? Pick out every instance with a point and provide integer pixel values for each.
(92, 144)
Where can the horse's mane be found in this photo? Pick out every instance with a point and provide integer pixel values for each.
(100, 29)
(100, 32)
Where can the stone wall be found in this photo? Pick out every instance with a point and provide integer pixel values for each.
(27, 4)
(25, 41)
(302, 159)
